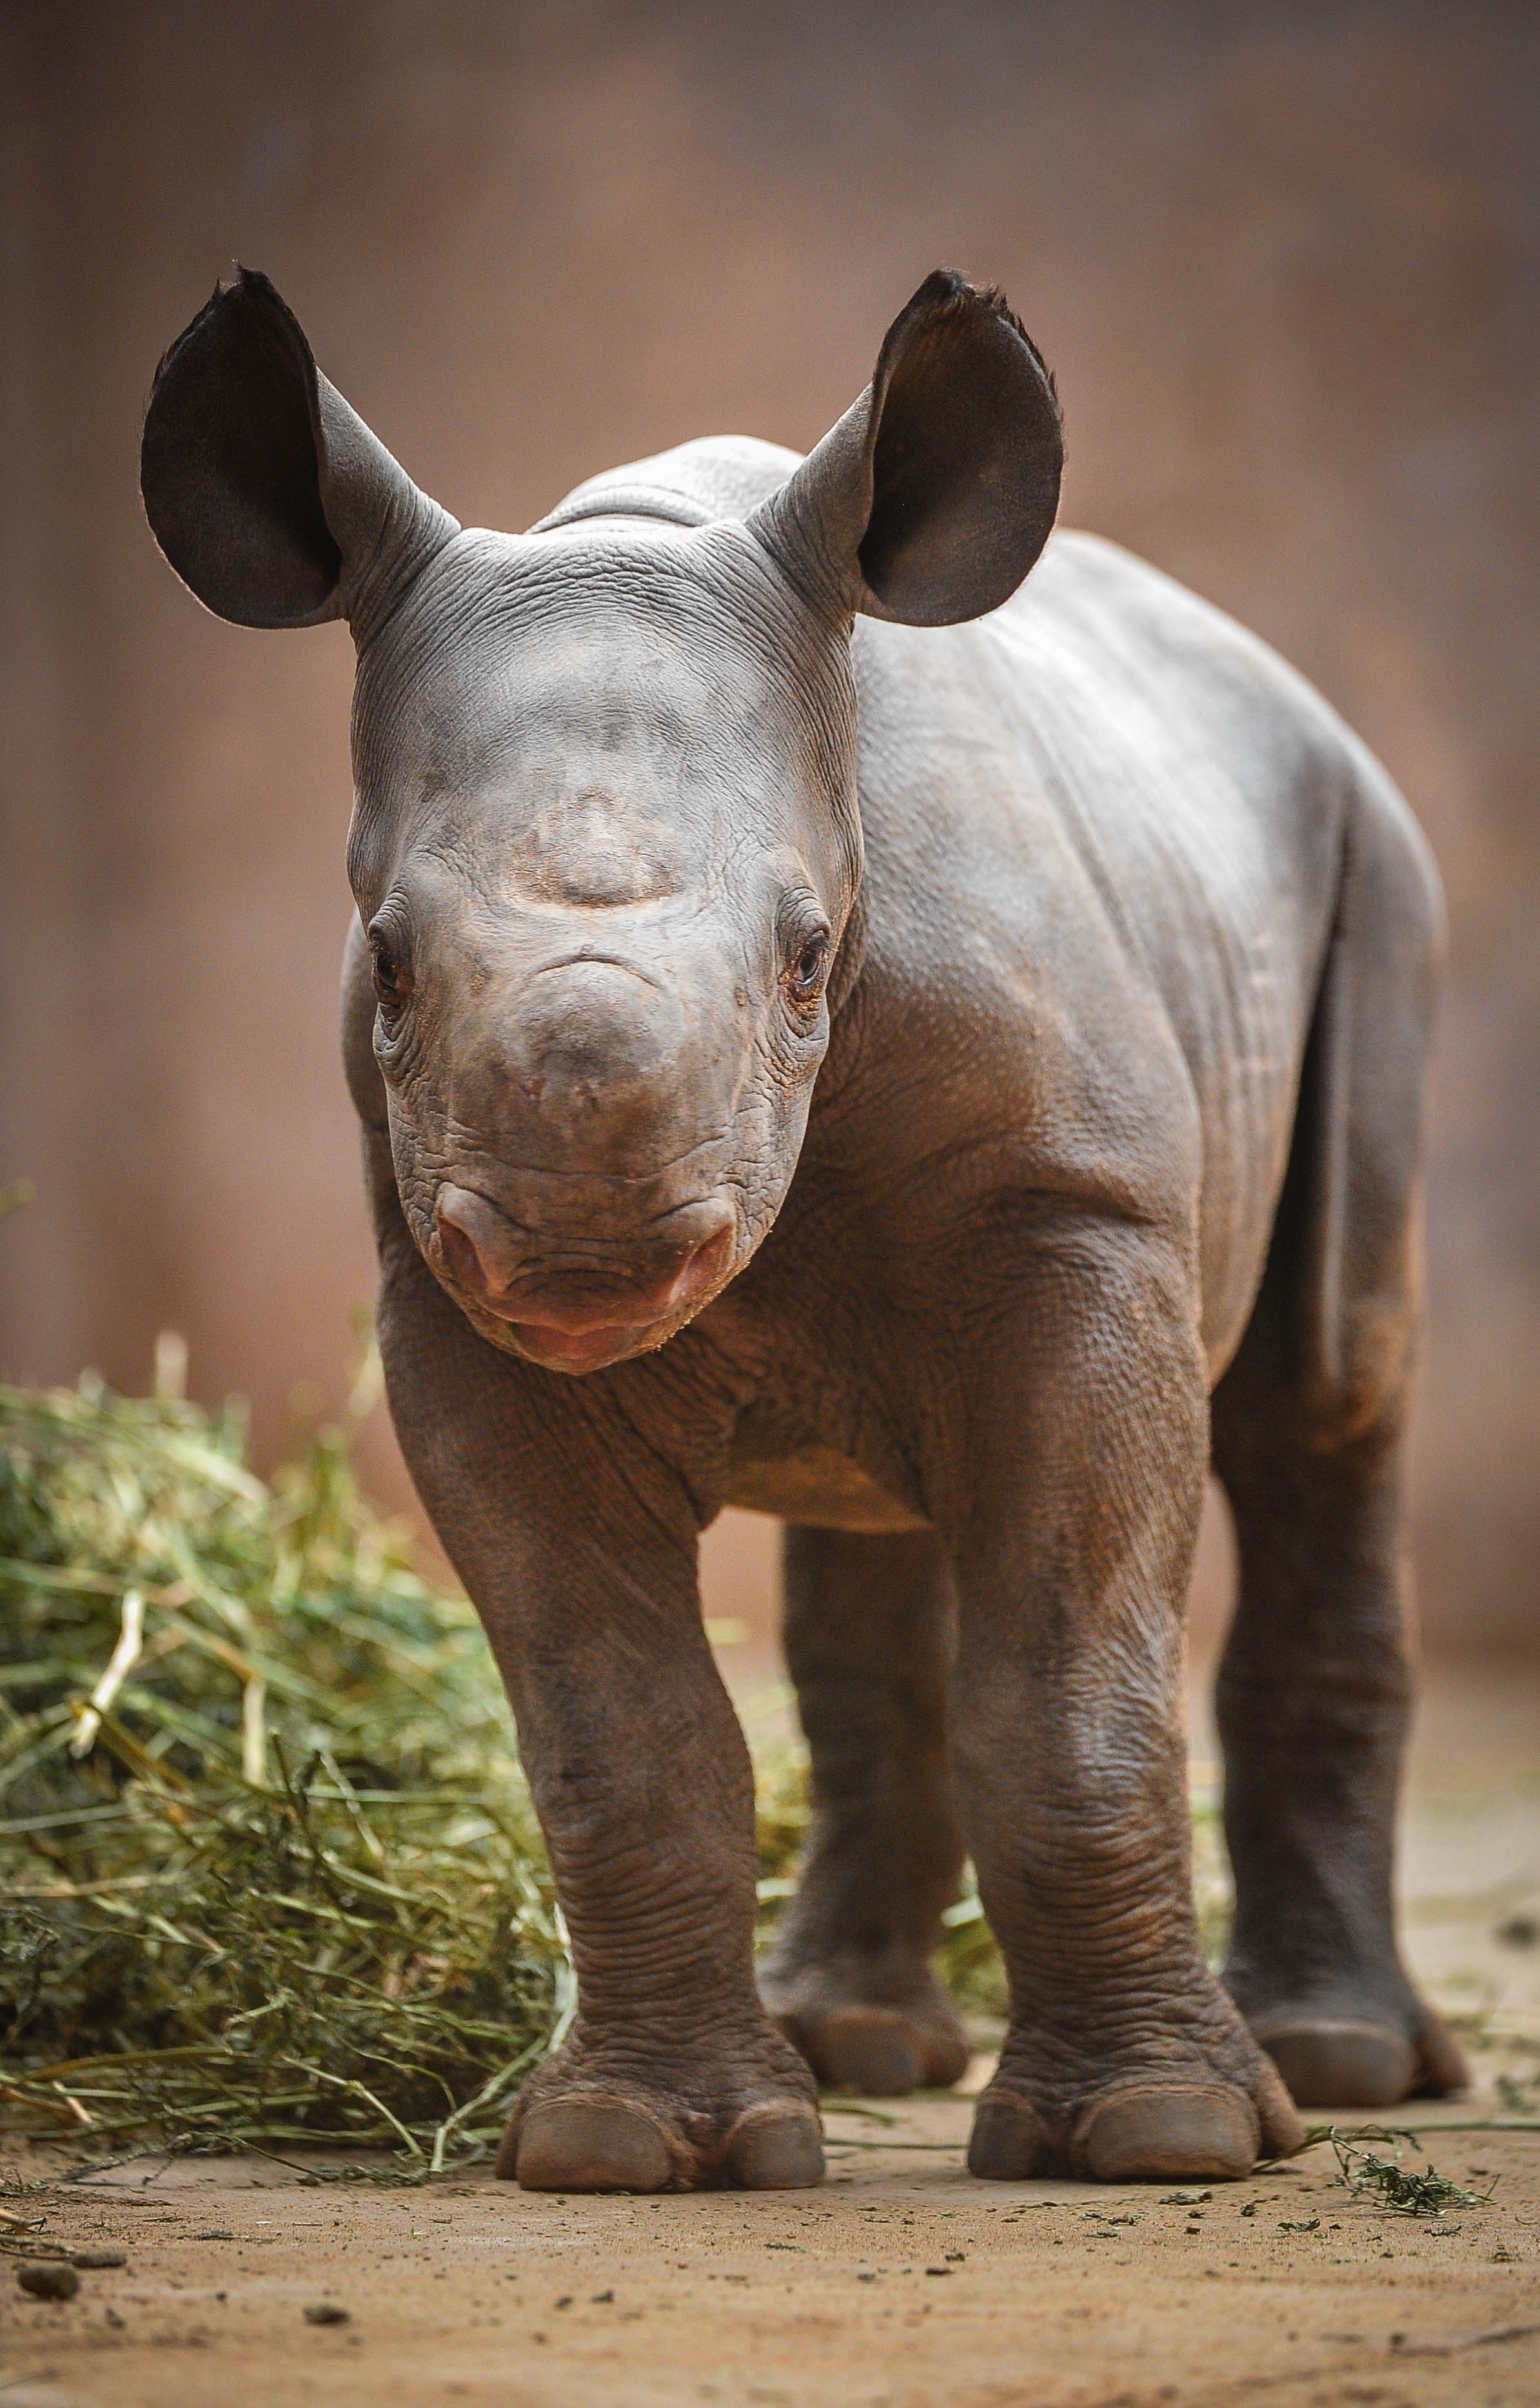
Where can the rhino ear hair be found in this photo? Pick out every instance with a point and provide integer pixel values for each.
(933, 496)
(267, 495)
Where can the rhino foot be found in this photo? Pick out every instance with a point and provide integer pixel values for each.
(1365, 2059)
(583, 2126)
(881, 2047)
(1146, 2131)
(1205, 2106)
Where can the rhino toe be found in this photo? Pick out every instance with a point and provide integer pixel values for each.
(775, 2148)
(1335, 2062)
(590, 2142)
(1176, 2132)
(1008, 2143)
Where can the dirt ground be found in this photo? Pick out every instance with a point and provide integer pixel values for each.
(901, 2283)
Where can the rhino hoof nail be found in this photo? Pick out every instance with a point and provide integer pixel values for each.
(1333, 2063)
(1008, 2143)
(593, 2144)
(1174, 2133)
(776, 2148)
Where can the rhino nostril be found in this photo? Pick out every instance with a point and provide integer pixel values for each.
(480, 1245)
(460, 1254)
(699, 1268)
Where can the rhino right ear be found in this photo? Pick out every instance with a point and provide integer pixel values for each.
(267, 495)
(932, 497)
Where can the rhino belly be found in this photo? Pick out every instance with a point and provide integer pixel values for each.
(818, 1485)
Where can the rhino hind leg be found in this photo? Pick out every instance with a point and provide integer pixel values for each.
(1314, 1691)
(1313, 1702)
(868, 1634)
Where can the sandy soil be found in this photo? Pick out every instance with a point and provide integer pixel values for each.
(899, 2284)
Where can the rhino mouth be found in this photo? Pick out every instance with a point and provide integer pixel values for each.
(579, 1319)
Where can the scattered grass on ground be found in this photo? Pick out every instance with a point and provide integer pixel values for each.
(1387, 2182)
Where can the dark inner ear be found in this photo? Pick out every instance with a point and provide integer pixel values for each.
(230, 469)
(968, 458)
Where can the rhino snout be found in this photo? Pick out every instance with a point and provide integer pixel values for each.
(580, 1313)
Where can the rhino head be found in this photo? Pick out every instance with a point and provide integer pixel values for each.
(605, 843)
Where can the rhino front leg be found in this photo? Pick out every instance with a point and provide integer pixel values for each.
(1072, 1539)
(577, 1545)
(869, 1643)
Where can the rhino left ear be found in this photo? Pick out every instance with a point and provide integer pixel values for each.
(267, 493)
(935, 494)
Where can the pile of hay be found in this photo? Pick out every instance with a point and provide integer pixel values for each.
(268, 1869)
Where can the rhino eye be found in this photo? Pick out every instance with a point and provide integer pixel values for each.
(805, 978)
(392, 977)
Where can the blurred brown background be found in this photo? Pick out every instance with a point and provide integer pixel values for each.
(1284, 259)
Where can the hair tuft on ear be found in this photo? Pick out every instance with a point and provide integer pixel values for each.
(992, 297)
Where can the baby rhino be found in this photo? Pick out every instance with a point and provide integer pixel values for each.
(845, 1026)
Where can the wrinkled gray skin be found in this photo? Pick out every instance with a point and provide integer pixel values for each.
(934, 1081)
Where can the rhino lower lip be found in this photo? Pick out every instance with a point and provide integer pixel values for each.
(579, 1327)
(573, 1350)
